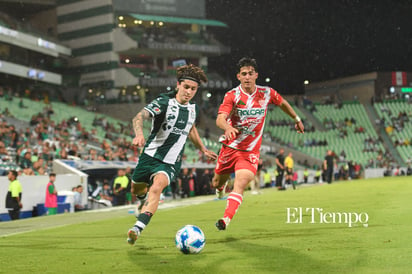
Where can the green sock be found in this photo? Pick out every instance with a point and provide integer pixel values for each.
(143, 220)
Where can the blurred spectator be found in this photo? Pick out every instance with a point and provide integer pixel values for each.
(328, 165)
(26, 164)
(106, 193)
(204, 183)
(184, 181)
(78, 205)
(51, 196)
(280, 167)
(14, 195)
(409, 170)
(120, 186)
(305, 176)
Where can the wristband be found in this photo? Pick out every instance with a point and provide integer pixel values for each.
(297, 119)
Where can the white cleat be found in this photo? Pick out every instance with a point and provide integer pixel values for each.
(132, 235)
(221, 193)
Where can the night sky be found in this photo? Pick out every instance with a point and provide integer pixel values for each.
(295, 40)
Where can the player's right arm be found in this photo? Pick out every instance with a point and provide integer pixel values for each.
(224, 111)
(139, 139)
(221, 122)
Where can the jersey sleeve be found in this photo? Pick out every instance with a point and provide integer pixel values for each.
(227, 104)
(275, 97)
(157, 106)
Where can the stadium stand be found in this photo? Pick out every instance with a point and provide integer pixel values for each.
(120, 131)
(340, 131)
(396, 117)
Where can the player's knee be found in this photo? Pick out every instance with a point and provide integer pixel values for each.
(157, 188)
(159, 183)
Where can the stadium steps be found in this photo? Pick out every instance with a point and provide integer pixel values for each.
(387, 142)
(391, 147)
(372, 114)
(395, 107)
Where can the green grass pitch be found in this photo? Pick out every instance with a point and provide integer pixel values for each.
(259, 239)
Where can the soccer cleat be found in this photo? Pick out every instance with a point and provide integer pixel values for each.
(220, 193)
(221, 224)
(132, 235)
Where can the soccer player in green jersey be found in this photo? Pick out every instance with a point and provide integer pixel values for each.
(173, 121)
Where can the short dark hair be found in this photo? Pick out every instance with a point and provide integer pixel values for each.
(15, 174)
(52, 174)
(191, 72)
(247, 62)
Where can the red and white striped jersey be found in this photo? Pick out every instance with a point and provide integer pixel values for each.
(247, 113)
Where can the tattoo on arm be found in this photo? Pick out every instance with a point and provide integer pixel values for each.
(138, 121)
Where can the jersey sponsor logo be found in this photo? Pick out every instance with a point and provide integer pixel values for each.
(250, 112)
(179, 131)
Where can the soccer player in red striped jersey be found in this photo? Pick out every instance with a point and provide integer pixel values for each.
(242, 117)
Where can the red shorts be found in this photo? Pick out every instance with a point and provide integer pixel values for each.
(230, 160)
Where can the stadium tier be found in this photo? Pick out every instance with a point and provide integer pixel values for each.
(339, 135)
(396, 117)
(88, 120)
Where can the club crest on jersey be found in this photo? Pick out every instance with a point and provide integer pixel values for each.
(262, 103)
(241, 103)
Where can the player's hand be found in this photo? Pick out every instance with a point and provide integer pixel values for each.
(139, 141)
(230, 133)
(299, 127)
(210, 155)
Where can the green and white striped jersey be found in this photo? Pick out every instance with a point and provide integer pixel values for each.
(171, 125)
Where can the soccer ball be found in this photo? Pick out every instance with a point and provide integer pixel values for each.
(190, 239)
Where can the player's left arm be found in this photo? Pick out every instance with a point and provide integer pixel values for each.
(287, 108)
(195, 138)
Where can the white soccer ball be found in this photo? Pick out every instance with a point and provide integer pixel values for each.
(190, 239)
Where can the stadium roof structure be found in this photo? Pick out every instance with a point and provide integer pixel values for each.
(179, 20)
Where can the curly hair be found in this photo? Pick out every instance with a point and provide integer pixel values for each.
(191, 72)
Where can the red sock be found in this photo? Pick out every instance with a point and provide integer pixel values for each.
(233, 202)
